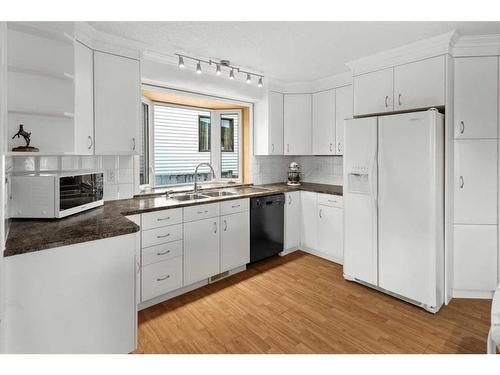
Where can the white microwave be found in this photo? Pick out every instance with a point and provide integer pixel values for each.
(55, 195)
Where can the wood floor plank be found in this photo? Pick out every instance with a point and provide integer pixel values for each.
(302, 304)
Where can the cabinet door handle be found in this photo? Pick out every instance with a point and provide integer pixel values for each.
(91, 143)
(320, 213)
(462, 127)
(163, 253)
(338, 147)
(386, 101)
(133, 141)
(163, 278)
(165, 235)
(289, 199)
(331, 146)
(225, 225)
(272, 145)
(287, 147)
(215, 227)
(399, 99)
(462, 182)
(163, 218)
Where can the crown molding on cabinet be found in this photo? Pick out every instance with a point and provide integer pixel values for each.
(423, 49)
(477, 45)
(100, 41)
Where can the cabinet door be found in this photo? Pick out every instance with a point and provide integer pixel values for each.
(323, 122)
(420, 84)
(475, 181)
(373, 92)
(275, 123)
(84, 100)
(475, 257)
(476, 97)
(117, 104)
(292, 220)
(330, 239)
(343, 110)
(309, 228)
(201, 250)
(235, 240)
(297, 124)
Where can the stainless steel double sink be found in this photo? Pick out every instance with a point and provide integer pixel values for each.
(191, 196)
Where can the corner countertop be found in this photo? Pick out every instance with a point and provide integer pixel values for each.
(30, 235)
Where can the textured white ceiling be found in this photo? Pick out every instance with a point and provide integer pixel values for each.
(289, 51)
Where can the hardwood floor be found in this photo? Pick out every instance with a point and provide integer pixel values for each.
(301, 304)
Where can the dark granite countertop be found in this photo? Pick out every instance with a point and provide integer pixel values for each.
(29, 235)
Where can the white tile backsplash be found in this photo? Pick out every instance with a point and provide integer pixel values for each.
(118, 172)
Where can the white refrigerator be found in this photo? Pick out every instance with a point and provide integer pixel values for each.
(394, 205)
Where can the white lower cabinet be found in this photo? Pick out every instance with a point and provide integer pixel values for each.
(201, 250)
(234, 240)
(475, 259)
(330, 236)
(162, 277)
(309, 229)
(292, 221)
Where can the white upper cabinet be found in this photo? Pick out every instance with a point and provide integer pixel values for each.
(297, 124)
(275, 119)
(343, 110)
(117, 104)
(84, 100)
(475, 182)
(268, 139)
(476, 97)
(420, 84)
(373, 92)
(323, 122)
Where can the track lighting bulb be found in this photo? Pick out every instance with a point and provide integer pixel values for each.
(198, 67)
(231, 74)
(181, 62)
(249, 78)
(217, 71)
(260, 82)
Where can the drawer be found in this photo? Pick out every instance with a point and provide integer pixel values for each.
(200, 212)
(162, 218)
(160, 278)
(161, 252)
(331, 200)
(233, 206)
(161, 235)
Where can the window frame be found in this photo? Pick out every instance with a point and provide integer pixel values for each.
(215, 156)
(149, 169)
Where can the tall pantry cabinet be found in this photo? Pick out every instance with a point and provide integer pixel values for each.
(475, 238)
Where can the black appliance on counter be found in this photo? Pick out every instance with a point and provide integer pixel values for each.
(266, 226)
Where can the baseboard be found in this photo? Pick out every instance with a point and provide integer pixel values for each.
(322, 255)
(473, 294)
(288, 251)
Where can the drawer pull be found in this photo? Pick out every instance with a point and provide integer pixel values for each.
(166, 235)
(163, 253)
(202, 212)
(163, 278)
(236, 206)
(163, 218)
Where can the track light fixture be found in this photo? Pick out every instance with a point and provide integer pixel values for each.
(219, 65)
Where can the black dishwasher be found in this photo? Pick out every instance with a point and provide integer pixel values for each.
(266, 226)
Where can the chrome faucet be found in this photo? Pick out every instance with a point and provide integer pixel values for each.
(196, 174)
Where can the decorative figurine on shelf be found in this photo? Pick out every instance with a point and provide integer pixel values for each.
(22, 133)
